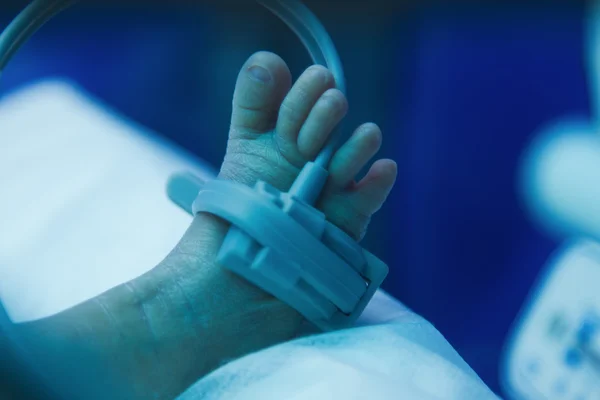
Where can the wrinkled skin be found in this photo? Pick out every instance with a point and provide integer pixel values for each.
(166, 329)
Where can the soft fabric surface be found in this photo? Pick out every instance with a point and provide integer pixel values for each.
(404, 359)
(84, 206)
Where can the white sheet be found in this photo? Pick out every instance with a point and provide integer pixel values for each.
(83, 205)
(404, 359)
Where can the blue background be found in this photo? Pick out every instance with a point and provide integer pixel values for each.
(458, 91)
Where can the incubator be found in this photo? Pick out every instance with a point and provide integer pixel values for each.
(554, 351)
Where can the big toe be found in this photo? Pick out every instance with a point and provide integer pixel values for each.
(262, 83)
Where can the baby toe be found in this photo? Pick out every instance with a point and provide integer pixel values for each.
(326, 114)
(351, 209)
(261, 86)
(353, 156)
(297, 106)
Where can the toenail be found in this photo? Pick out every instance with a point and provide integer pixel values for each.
(259, 73)
(324, 73)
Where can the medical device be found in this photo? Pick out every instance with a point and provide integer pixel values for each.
(277, 240)
(554, 352)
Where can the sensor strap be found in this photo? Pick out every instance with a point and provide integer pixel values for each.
(290, 250)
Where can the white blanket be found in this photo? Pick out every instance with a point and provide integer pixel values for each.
(403, 359)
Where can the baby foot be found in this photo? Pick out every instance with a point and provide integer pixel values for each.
(169, 327)
(275, 131)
